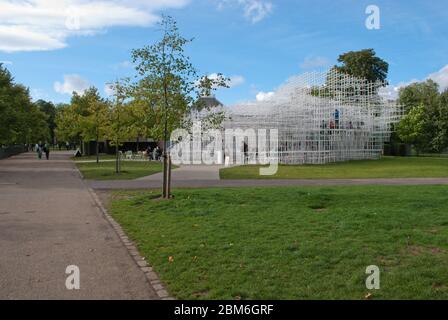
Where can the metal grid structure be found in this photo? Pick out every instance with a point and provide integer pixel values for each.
(321, 117)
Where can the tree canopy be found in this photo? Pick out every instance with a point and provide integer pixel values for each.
(363, 64)
(169, 88)
(425, 123)
(419, 93)
(50, 110)
(21, 121)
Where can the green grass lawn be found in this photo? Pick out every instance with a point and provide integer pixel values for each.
(387, 167)
(293, 242)
(129, 170)
(434, 155)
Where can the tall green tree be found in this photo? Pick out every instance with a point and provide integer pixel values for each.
(426, 116)
(167, 87)
(8, 115)
(121, 123)
(85, 119)
(35, 125)
(50, 110)
(363, 64)
(20, 120)
(67, 122)
(412, 128)
(420, 93)
(95, 121)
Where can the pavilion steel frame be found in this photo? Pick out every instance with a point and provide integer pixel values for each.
(321, 117)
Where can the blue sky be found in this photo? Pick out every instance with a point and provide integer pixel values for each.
(258, 43)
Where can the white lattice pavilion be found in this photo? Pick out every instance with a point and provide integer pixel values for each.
(321, 117)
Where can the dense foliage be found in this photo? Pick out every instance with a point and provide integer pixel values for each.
(363, 64)
(21, 120)
(425, 123)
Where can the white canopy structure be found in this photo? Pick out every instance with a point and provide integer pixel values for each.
(321, 117)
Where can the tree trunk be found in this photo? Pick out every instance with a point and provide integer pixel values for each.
(166, 169)
(168, 183)
(117, 160)
(165, 175)
(81, 147)
(97, 150)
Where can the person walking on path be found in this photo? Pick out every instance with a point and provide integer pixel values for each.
(47, 151)
(155, 154)
(39, 151)
(149, 152)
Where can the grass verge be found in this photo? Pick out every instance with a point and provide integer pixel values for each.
(129, 170)
(293, 242)
(93, 158)
(387, 167)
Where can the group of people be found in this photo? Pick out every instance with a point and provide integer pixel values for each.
(335, 123)
(41, 149)
(68, 146)
(153, 154)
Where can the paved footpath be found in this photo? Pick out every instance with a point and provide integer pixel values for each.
(208, 177)
(48, 221)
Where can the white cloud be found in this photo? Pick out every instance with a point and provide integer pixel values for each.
(18, 38)
(72, 83)
(37, 94)
(6, 63)
(37, 25)
(263, 96)
(125, 64)
(109, 90)
(441, 77)
(235, 81)
(389, 92)
(392, 91)
(254, 10)
(314, 62)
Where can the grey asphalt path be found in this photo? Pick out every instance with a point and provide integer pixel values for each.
(48, 221)
(189, 173)
(212, 182)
